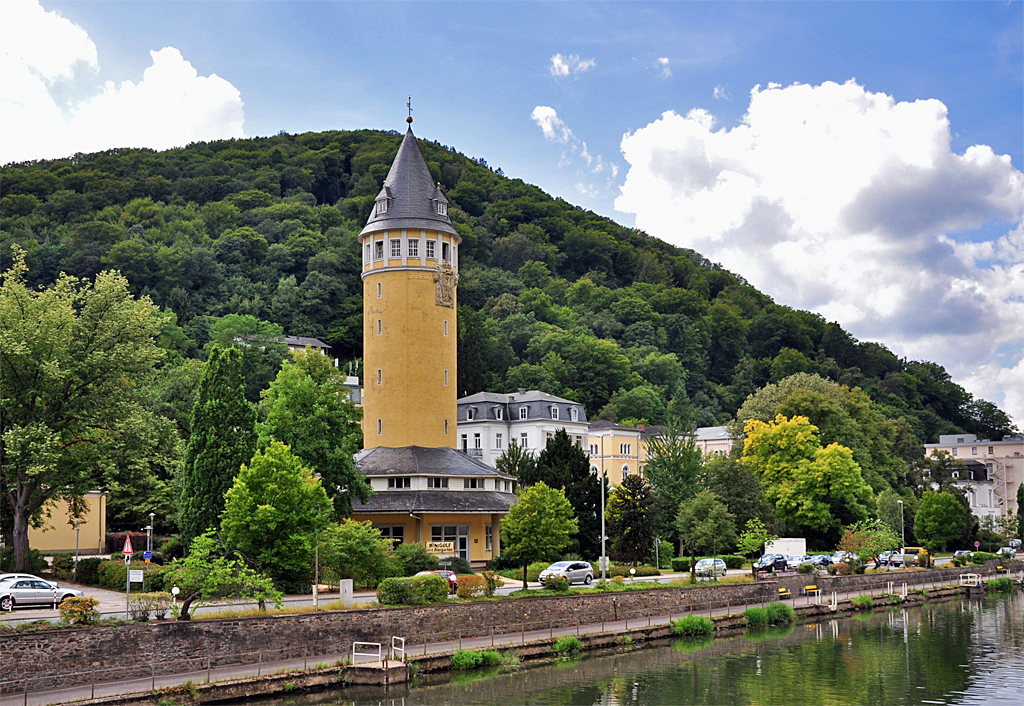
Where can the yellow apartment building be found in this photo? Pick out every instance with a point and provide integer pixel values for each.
(56, 535)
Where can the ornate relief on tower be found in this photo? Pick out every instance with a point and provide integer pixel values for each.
(445, 277)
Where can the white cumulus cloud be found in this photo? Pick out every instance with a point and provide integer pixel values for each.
(571, 64)
(45, 56)
(551, 125)
(846, 202)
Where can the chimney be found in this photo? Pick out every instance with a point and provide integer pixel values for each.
(642, 427)
(522, 390)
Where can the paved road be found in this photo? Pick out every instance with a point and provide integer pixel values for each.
(39, 695)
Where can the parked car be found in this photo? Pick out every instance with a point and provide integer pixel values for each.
(575, 571)
(821, 560)
(33, 591)
(1015, 543)
(962, 552)
(916, 556)
(453, 581)
(840, 557)
(14, 577)
(796, 560)
(710, 567)
(1007, 553)
(773, 562)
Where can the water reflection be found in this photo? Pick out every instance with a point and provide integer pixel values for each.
(952, 652)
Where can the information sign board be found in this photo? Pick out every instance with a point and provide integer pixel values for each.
(135, 575)
(441, 548)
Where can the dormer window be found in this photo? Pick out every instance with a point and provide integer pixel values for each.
(574, 414)
(442, 208)
(382, 206)
(398, 482)
(554, 412)
(498, 413)
(470, 414)
(524, 412)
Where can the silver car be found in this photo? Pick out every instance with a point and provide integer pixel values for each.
(575, 571)
(710, 567)
(33, 592)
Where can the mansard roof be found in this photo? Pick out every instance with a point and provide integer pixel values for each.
(411, 193)
(421, 461)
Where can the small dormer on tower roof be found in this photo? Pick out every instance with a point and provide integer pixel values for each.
(409, 198)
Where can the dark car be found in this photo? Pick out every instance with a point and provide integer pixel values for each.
(773, 562)
(821, 560)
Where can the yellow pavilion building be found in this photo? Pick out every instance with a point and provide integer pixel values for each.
(427, 491)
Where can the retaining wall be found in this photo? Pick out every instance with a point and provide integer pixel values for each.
(63, 656)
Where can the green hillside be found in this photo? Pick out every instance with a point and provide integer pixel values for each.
(259, 235)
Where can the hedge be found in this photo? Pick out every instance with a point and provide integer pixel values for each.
(981, 557)
(113, 575)
(413, 590)
(623, 571)
(473, 586)
(88, 571)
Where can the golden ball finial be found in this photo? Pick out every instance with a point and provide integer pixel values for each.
(409, 119)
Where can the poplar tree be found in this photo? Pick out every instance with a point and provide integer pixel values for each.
(223, 438)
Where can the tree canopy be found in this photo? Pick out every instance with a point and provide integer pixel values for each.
(541, 523)
(71, 357)
(632, 520)
(939, 521)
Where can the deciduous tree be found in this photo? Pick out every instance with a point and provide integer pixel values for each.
(674, 465)
(939, 521)
(705, 525)
(71, 356)
(307, 407)
(272, 514)
(541, 523)
(753, 539)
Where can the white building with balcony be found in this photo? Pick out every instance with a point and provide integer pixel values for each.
(994, 470)
(487, 421)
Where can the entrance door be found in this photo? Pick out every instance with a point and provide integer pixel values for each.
(462, 546)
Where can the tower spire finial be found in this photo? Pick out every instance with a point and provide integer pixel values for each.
(409, 106)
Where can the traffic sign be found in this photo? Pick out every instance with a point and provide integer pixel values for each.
(147, 555)
(977, 544)
(128, 545)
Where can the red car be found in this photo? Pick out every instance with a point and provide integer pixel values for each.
(453, 581)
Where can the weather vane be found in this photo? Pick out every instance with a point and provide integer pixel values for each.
(409, 106)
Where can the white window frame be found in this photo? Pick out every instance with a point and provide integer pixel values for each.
(625, 449)
(442, 208)
(399, 483)
(431, 249)
(498, 413)
(470, 414)
(472, 484)
(437, 482)
(488, 534)
(414, 247)
(382, 206)
(378, 249)
(625, 471)
(523, 439)
(524, 412)
(574, 414)
(476, 440)
(497, 440)
(369, 255)
(396, 247)
(446, 251)
(554, 411)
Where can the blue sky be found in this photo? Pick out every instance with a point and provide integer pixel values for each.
(548, 92)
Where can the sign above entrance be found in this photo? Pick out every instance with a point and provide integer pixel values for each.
(441, 548)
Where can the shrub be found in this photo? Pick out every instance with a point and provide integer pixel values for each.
(113, 574)
(415, 558)
(172, 548)
(62, 567)
(693, 625)
(755, 617)
(492, 581)
(807, 568)
(472, 586)
(680, 564)
(559, 584)
(981, 557)
(640, 571)
(863, 602)
(413, 590)
(842, 569)
(34, 561)
(88, 571)
(779, 613)
(459, 565)
(1002, 583)
(567, 645)
(140, 605)
(490, 658)
(733, 561)
(79, 610)
(466, 659)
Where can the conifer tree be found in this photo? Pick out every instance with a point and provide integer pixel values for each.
(632, 519)
(563, 464)
(223, 438)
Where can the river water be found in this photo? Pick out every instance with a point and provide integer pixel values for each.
(954, 652)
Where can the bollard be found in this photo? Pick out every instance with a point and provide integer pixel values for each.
(259, 664)
(207, 670)
(523, 626)
(153, 686)
(492, 636)
(303, 659)
(26, 692)
(93, 694)
(460, 638)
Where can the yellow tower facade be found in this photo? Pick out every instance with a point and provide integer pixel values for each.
(410, 330)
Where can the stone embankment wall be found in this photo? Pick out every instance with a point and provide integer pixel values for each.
(65, 656)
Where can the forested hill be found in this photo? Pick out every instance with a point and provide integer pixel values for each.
(258, 234)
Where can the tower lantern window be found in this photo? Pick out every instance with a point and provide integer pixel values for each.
(446, 250)
(378, 250)
(382, 206)
(442, 208)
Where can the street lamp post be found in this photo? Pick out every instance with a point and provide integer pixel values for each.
(78, 525)
(149, 542)
(903, 529)
(604, 480)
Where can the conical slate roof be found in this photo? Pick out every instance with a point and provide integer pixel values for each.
(412, 195)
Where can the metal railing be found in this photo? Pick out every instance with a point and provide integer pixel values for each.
(398, 648)
(375, 653)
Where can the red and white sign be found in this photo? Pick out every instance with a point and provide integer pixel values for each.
(127, 545)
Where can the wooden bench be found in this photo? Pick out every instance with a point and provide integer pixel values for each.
(810, 591)
(784, 593)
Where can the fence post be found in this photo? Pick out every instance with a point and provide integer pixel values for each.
(93, 693)
(207, 669)
(492, 636)
(154, 676)
(304, 650)
(26, 691)
(523, 627)
(460, 639)
(259, 664)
